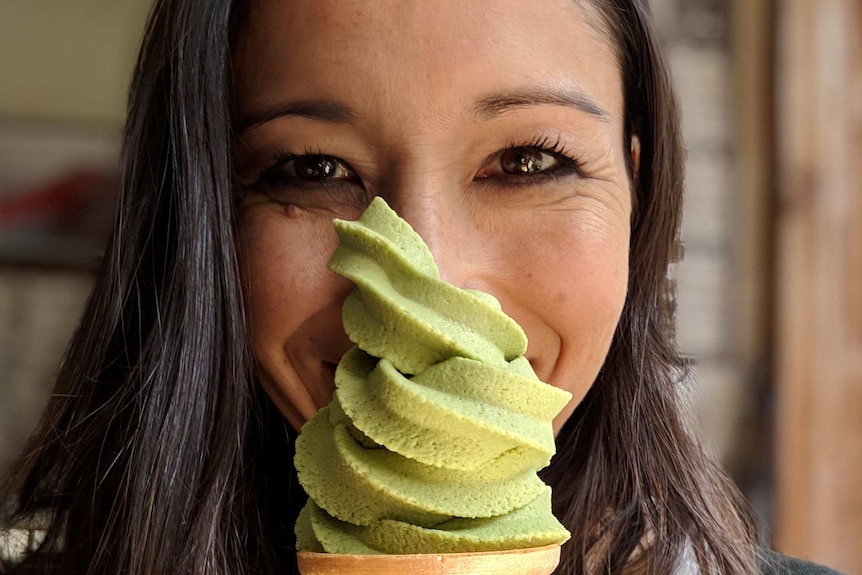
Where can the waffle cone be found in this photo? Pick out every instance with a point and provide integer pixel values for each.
(533, 561)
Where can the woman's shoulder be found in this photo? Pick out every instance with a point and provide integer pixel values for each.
(777, 564)
(16, 553)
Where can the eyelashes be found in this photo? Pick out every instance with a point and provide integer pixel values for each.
(540, 160)
(288, 169)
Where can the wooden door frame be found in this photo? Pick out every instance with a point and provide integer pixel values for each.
(818, 281)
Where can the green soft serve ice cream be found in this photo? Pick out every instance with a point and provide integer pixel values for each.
(438, 425)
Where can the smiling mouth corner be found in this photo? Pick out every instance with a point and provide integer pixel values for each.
(329, 369)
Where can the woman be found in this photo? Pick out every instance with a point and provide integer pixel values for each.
(534, 146)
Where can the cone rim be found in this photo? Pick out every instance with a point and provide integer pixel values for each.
(383, 556)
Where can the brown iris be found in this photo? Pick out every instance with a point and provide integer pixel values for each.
(525, 161)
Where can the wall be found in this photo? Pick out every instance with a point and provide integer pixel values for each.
(65, 60)
(64, 71)
(699, 40)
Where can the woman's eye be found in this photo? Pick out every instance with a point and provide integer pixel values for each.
(526, 161)
(303, 171)
(316, 167)
(540, 163)
(528, 165)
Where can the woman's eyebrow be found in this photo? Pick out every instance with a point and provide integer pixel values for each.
(486, 107)
(499, 103)
(325, 110)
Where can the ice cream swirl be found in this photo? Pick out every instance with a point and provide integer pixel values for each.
(438, 425)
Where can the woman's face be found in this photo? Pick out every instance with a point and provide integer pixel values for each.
(494, 128)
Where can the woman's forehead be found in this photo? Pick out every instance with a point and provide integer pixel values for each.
(380, 56)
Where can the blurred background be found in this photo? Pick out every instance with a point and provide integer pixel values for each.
(770, 286)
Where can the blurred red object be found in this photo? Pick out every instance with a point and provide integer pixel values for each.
(58, 204)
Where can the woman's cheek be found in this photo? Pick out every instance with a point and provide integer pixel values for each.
(576, 278)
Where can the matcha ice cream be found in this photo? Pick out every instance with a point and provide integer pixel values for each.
(438, 425)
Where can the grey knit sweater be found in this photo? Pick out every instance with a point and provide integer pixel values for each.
(776, 564)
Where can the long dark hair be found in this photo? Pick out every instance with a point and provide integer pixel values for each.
(158, 452)
(630, 479)
(145, 459)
